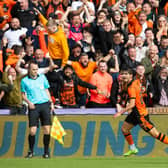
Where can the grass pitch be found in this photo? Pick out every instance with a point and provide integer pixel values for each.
(113, 162)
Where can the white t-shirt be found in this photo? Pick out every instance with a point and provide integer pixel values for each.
(142, 34)
(77, 4)
(14, 36)
(140, 53)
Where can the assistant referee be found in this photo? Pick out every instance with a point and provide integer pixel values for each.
(34, 88)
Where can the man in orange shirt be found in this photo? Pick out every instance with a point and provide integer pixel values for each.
(57, 41)
(84, 70)
(138, 24)
(103, 81)
(138, 113)
(5, 9)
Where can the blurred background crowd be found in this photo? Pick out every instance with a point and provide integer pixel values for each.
(81, 46)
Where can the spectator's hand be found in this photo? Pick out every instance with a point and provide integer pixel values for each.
(5, 27)
(111, 52)
(10, 79)
(150, 95)
(149, 41)
(5, 17)
(22, 61)
(4, 41)
(103, 1)
(31, 106)
(34, 23)
(115, 57)
(52, 67)
(129, 43)
(88, 39)
(138, 7)
(155, 4)
(22, 54)
(84, 1)
(26, 66)
(29, 41)
(69, 9)
(36, 10)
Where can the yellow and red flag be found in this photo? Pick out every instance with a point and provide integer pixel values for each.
(57, 131)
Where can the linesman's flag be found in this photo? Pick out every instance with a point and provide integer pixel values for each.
(57, 131)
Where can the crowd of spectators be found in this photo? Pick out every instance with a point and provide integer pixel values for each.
(81, 46)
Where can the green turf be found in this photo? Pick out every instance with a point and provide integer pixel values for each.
(114, 162)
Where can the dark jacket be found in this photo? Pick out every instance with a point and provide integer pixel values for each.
(25, 16)
(158, 85)
(77, 81)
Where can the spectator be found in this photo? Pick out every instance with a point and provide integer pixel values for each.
(78, 6)
(96, 27)
(14, 57)
(29, 53)
(57, 43)
(23, 10)
(149, 37)
(71, 42)
(147, 8)
(160, 83)
(131, 41)
(45, 63)
(138, 3)
(139, 24)
(56, 7)
(146, 85)
(140, 49)
(119, 95)
(75, 27)
(15, 34)
(11, 56)
(39, 6)
(162, 27)
(5, 88)
(87, 43)
(129, 60)
(5, 15)
(118, 44)
(13, 99)
(112, 63)
(76, 52)
(69, 94)
(84, 70)
(106, 37)
(164, 60)
(163, 46)
(100, 97)
(119, 22)
(151, 61)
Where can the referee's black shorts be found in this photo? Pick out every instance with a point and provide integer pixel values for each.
(42, 113)
(143, 121)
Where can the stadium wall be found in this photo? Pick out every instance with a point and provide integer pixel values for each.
(88, 135)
